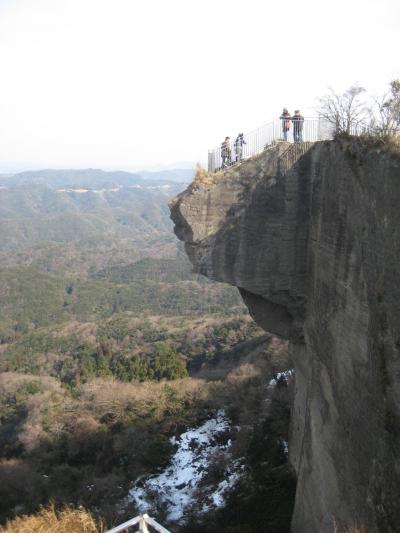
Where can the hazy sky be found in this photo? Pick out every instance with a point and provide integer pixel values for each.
(128, 83)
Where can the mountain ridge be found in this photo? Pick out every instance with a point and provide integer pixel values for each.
(90, 176)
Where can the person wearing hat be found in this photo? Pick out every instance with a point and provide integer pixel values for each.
(298, 122)
(226, 152)
(285, 119)
(239, 142)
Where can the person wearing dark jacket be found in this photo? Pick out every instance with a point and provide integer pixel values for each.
(226, 152)
(298, 122)
(285, 119)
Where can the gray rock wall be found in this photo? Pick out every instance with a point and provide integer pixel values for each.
(310, 234)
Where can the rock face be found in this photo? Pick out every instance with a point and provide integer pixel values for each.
(310, 234)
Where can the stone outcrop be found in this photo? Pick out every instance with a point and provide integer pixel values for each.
(310, 234)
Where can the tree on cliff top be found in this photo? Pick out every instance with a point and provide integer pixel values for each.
(349, 113)
(387, 121)
(344, 111)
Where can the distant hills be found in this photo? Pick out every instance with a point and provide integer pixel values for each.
(63, 206)
(92, 178)
(85, 244)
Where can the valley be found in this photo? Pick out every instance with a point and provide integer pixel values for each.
(111, 348)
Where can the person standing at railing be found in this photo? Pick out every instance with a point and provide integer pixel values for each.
(298, 123)
(239, 142)
(226, 152)
(285, 119)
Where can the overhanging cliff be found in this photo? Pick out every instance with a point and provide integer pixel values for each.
(310, 234)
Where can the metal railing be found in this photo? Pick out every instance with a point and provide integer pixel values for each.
(142, 521)
(311, 130)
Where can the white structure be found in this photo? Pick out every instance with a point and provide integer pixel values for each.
(141, 521)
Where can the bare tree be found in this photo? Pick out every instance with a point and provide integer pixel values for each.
(346, 112)
(387, 120)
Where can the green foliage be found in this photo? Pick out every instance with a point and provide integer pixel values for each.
(167, 270)
(130, 349)
(135, 368)
(31, 299)
(167, 364)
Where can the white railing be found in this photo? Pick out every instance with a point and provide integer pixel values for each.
(311, 130)
(142, 521)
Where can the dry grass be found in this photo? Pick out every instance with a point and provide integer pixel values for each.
(393, 144)
(386, 144)
(123, 402)
(83, 331)
(48, 520)
(202, 177)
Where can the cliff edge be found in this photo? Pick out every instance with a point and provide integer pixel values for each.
(310, 234)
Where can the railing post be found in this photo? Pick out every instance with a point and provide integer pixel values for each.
(142, 525)
(211, 160)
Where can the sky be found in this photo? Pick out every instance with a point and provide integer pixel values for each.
(129, 84)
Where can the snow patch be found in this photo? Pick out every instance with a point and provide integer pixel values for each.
(175, 487)
(233, 474)
(281, 376)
